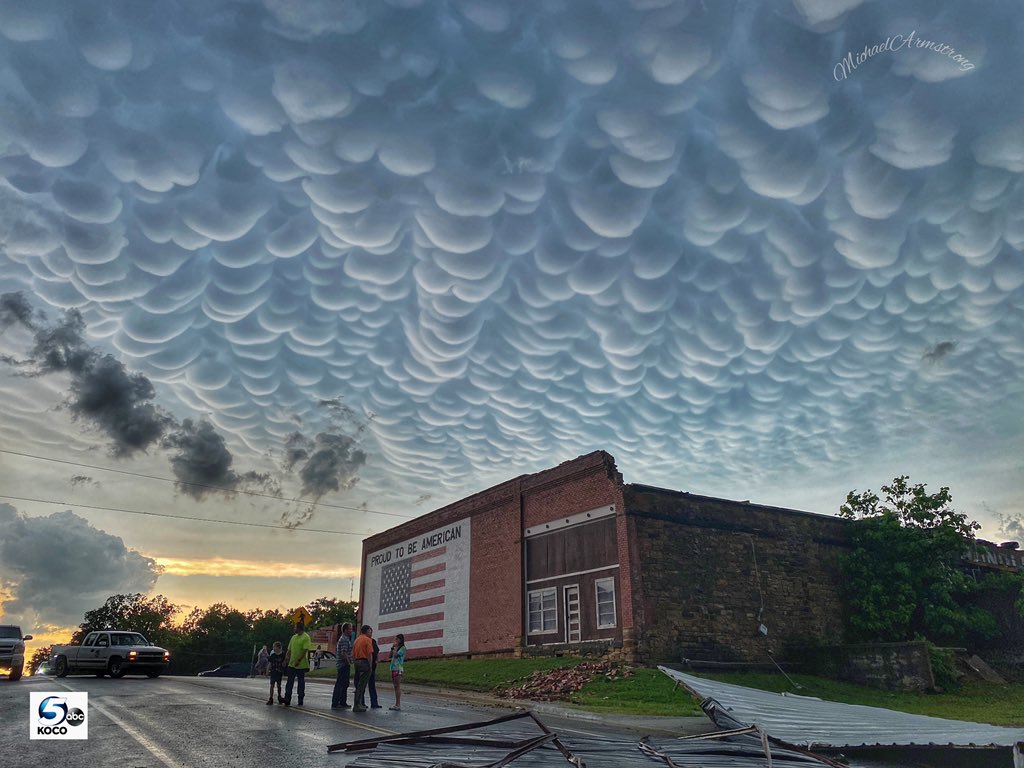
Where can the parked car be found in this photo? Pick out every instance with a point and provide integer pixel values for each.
(12, 650)
(110, 652)
(231, 669)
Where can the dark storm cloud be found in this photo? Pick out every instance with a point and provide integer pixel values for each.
(14, 308)
(120, 403)
(329, 462)
(103, 391)
(202, 464)
(202, 459)
(57, 566)
(939, 351)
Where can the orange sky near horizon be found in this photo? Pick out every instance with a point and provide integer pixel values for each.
(241, 584)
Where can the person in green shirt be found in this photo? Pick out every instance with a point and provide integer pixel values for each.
(298, 662)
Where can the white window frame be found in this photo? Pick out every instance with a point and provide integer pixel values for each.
(553, 592)
(610, 582)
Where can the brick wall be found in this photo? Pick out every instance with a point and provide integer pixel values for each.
(499, 515)
(496, 579)
(711, 570)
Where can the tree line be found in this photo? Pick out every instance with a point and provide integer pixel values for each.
(206, 637)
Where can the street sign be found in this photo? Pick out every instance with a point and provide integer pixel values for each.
(301, 614)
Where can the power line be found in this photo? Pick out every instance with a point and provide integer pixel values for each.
(180, 517)
(203, 485)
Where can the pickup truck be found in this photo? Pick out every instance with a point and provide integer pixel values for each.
(12, 651)
(110, 652)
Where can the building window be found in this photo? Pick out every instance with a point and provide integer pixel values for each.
(605, 603)
(543, 611)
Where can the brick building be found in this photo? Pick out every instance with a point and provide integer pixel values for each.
(571, 559)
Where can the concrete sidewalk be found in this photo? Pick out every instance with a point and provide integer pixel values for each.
(641, 724)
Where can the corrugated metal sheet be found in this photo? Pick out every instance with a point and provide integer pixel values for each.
(595, 753)
(813, 722)
(491, 743)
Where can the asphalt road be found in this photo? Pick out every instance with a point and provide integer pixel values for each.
(136, 722)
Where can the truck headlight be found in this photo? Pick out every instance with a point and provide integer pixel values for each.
(19, 648)
(167, 655)
(132, 655)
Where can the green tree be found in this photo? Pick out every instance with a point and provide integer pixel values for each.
(134, 612)
(214, 636)
(327, 611)
(270, 626)
(904, 577)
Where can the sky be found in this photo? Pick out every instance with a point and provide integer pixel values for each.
(317, 267)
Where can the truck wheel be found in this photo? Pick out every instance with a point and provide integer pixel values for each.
(115, 668)
(15, 675)
(60, 669)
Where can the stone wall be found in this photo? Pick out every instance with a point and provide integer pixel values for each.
(711, 571)
(891, 666)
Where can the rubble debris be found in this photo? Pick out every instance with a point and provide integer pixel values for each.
(559, 684)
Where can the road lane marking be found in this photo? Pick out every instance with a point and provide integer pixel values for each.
(144, 742)
(304, 710)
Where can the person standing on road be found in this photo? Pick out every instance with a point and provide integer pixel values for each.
(362, 653)
(298, 663)
(275, 663)
(397, 665)
(261, 661)
(339, 699)
(371, 685)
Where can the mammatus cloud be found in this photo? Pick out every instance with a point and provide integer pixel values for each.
(52, 566)
(515, 231)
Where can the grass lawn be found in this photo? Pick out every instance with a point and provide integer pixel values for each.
(647, 692)
(975, 701)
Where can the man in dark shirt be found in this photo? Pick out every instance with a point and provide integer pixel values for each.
(339, 699)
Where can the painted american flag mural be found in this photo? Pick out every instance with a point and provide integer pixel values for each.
(421, 588)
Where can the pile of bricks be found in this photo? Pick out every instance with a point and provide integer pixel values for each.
(558, 684)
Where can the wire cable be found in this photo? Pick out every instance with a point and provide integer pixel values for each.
(182, 517)
(203, 485)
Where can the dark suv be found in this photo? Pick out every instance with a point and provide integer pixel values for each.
(12, 651)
